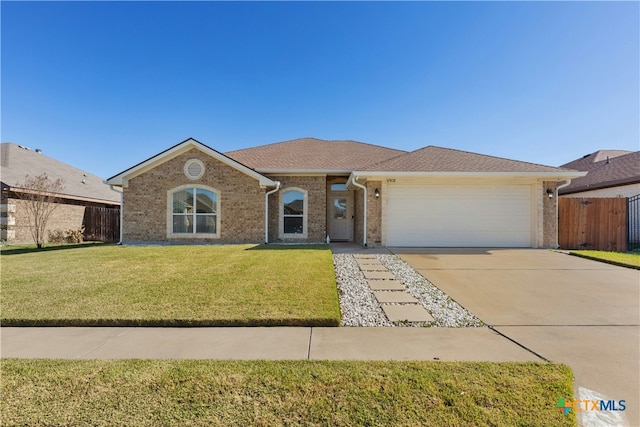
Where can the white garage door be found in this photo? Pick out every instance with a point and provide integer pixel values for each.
(458, 216)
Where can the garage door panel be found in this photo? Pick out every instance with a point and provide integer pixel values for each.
(459, 216)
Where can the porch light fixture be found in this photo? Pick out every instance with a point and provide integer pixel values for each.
(376, 192)
(550, 193)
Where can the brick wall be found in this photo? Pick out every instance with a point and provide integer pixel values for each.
(374, 214)
(240, 202)
(550, 216)
(64, 217)
(358, 208)
(316, 187)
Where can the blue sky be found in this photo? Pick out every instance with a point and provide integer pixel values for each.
(105, 85)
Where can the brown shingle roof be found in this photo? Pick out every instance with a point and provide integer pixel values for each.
(313, 154)
(606, 168)
(18, 161)
(438, 159)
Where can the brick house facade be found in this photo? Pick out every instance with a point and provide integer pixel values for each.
(303, 191)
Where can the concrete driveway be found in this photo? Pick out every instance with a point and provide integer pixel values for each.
(583, 313)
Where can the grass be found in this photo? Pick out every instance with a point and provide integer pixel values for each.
(628, 259)
(272, 393)
(109, 285)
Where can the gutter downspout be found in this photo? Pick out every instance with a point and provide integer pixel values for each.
(266, 211)
(566, 183)
(353, 179)
(121, 210)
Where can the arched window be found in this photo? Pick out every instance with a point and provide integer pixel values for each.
(293, 209)
(194, 211)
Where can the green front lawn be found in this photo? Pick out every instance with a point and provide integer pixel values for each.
(629, 259)
(271, 393)
(108, 285)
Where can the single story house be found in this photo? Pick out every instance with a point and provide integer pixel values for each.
(610, 173)
(84, 201)
(306, 190)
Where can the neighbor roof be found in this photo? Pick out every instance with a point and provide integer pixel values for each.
(438, 159)
(605, 168)
(18, 161)
(311, 154)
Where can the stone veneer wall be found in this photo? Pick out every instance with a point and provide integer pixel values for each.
(550, 216)
(316, 187)
(240, 202)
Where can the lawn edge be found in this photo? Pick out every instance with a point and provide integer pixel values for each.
(606, 261)
(171, 323)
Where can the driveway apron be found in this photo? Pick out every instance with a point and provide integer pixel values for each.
(583, 313)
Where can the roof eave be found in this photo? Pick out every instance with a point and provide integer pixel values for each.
(67, 196)
(601, 185)
(299, 171)
(559, 175)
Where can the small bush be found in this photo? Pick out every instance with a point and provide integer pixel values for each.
(75, 236)
(68, 236)
(56, 236)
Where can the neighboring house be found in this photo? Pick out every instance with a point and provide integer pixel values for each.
(82, 191)
(307, 189)
(610, 173)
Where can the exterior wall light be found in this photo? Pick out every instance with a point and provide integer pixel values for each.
(376, 192)
(550, 193)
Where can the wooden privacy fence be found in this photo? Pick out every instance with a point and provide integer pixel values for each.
(590, 223)
(101, 224)
(633, 223)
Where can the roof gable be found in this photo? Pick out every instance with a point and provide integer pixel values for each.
(18, 161)
(311, 154)
(186, 145)
(438, 159)
(605, 168)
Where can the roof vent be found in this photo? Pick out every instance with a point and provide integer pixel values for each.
(194, 169)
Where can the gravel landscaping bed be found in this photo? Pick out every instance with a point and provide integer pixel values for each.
(360, 308)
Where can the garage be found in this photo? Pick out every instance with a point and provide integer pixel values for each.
(458, 215)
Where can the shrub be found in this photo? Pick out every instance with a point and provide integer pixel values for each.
(68, 236)
(75, 236)
(56, 236)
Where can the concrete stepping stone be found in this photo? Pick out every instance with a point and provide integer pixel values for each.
(364, 256)
(394, 297)
(386, 285)
(378, 275)
(368, 262)
(372, 267)
(406, 312)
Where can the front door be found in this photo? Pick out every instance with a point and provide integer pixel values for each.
(340, 214)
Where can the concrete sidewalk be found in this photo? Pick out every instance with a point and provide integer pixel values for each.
(277, 343)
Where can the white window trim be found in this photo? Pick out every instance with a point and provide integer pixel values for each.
(171, 234)
(305, 207)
